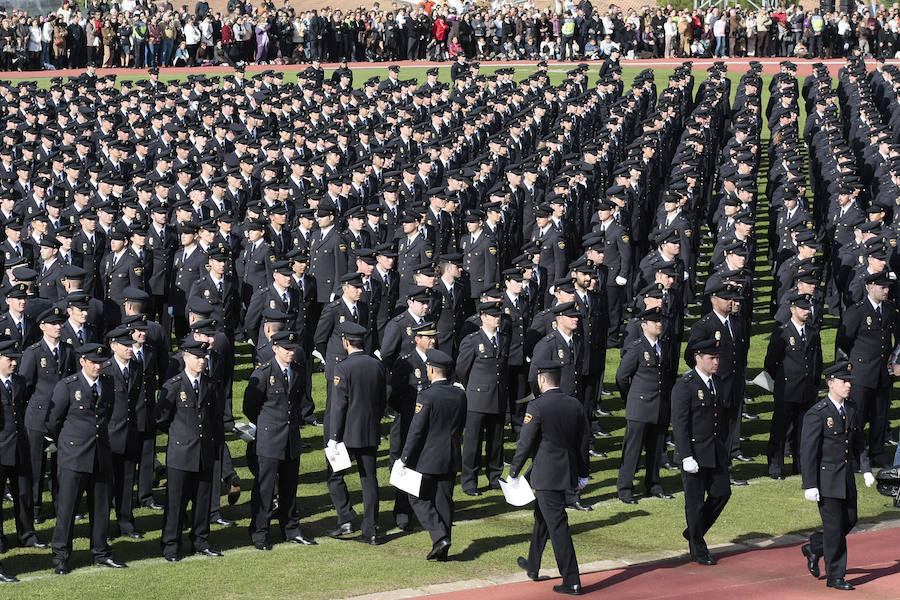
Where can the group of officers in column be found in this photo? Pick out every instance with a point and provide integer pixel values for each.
(471, 290)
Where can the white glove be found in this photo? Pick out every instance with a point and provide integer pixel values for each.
(378, 354)
(317, 354)
(812, 494)
(171, 311)
(689, 465)
(582, 481)
(332, 444)
(869, 479)
(686, 275)
(621, 280)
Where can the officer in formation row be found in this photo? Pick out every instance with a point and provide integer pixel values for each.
(405, 236)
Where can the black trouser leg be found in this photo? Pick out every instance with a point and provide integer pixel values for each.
(473, 435)
(204, 488)
(20, 488)
(307, 405)
(838, 519)
(37, 456)
(518, 388)
(261, 499)
(632, 445)
(179, 488)
(147, 467)
(777, 434)
(99, 487)
(123, 484)
(705, 495)
(552, 506)
(653, 439)
(288, 516)
(365, 464)
(340, 496)
(493, 448)
(425, 507)
(72, 485)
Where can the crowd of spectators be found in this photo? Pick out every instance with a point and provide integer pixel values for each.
(140, 33)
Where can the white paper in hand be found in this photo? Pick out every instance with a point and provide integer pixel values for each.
(404, 478)
(517, 495)
(247, 431)
(765, 381)
(338, 458)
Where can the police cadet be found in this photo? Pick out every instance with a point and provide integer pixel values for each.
(408, 377)
(120, 269)
(272, 402)
(479, 250)
(219, 284)
(187, 409)
(14, 461)
(481, 368)
(398, 336)
(327, 262)
(254, 265)
(353, 416)
(553, 435)
(14, 323)
(517, 313)
(127, 378)
(188, 266)
(866, 335)
(699, 427)
(794, 360)
(832, 449)
(643, 378)
(43, 365)
(617, 257)
(79, 418)
(432, 448)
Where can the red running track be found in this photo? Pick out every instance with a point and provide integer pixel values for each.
(774, 573)
(735, 65)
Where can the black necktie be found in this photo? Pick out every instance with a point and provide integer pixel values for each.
(80, 335)
(355, 314)
(878, 311)
(8, 385)
(21, 330)
(56, 355)
(219, 287)
(95, 392)
(126, 373)
(139, 356)
(572, 346)
(843, 414)
(287, 379)
(712, 390)
(494, 343)
(803, 335)
(197, 388)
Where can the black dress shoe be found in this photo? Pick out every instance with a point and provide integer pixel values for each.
(523, 564)
(577, 505)
(602, 413)
(80, 517)
(471, 492)
(111, 563)
(340, 530)
(209, 552)
(602, 434)
(153, 505)
(303, 540)
(4, 578)
(605, 393)
(37, 545)
(439, 548)
(629, 500)
(596, 454)
(315, 423)
(224, 522)
(777, 476)
(173, 558)
(264, 547)
(372, 540)
(38, 519)
(840, 584)
(738, 482)
(704, 559)
(748, 416)
(61, 570)
(571, 590)
(134, 535)
(812, 561)
(663, 496)
(742, 458)
(495, 485)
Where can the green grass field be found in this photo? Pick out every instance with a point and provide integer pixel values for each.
(488, 535)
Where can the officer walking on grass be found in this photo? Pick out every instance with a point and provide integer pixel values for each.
(831, 441)
(553, 436)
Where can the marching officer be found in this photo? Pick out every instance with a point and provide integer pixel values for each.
(189, 409)
(794, 360)
(644, 380)
(121, 269)
(831, 441)
(553, 433)
(433, 449)
(700, 433)
(272, 401)
(353, 416)
(79, 417)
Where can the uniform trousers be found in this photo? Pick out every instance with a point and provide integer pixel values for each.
(550, 520)
(72, 484)
(838, 518)
(638, 436)
(287, 472)
(487, 428)
(123, 486)
(786, 415)
(340, 496)
(19, 480)
(183, 487)
(872, 404)
(434, 506)
(37, 452)
(223, 468)
(518, 389)
(399, 429)
(147, 466)
(705, 495)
